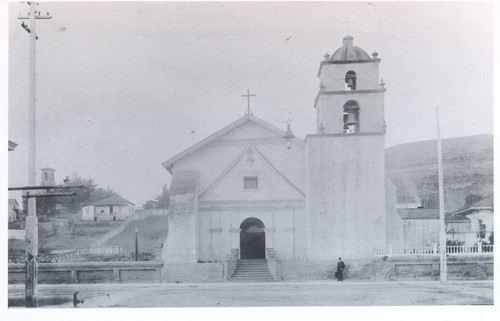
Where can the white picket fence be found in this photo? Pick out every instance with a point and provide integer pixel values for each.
(434, 250)
(103, 250)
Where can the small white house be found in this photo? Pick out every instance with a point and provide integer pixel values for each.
(14, 210)
(464, 225)
(113, 208)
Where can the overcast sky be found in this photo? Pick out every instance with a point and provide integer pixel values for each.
(122, 87)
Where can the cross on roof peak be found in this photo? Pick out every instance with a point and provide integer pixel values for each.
(248, 95)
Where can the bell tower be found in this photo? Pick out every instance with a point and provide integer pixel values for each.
(47, 176)
(345, 160)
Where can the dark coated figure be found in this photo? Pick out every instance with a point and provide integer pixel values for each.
(340, 270)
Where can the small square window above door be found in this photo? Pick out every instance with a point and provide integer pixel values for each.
(250, 182)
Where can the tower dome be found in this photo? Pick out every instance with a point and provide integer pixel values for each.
(348, 52)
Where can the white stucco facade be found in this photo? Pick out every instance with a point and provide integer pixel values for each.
(324, 197)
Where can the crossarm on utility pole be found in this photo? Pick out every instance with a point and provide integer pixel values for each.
(27, 188)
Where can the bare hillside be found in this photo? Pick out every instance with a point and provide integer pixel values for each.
(467, 170)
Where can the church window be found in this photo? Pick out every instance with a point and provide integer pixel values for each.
(46, 176)
(350, 80)
(250, 182)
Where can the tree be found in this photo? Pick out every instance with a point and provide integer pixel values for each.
(482, 229)
(491, 238)
(90, 193)
(45, 205)
(161, 200)
(149, 205)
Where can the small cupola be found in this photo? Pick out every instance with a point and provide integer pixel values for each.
(47, 176)
(349, 52)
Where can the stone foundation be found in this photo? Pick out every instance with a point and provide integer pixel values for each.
(90, 272)
(415, 268)
(194, 272)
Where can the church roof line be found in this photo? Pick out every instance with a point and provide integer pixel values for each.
(169, 164)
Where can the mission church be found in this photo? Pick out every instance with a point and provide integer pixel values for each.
(252, 191)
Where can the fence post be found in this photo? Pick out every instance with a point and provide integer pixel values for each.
(434, 248)
(389, 247)
(74, 276)
(158, 255)
(479, 247)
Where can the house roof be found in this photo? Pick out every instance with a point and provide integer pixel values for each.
(169, 164)
(113, 200)
(12, 145)
(450, 217)
(418, 213)
(484, 203)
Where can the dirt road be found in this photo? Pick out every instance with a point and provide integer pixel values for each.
(277, 294)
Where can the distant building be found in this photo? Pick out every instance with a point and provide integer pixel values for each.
(420, 226)
(408, 202)
(463, 225)
(14, 210)
(48, 177)
(113, 208)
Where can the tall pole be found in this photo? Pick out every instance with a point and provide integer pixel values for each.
(442, 231)
(31, 300)
(31, 219)
(31, 112)
(136, 245)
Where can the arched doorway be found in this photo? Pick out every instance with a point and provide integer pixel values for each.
(252, 239)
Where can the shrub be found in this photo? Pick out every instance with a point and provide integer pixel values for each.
(454, 243)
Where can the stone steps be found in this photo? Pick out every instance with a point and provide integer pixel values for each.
(251, 271)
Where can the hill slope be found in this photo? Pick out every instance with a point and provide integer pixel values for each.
(467, 170)
(152, 232)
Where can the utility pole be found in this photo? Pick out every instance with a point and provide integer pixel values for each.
(442, 228)
(136, 245)
(31, 219)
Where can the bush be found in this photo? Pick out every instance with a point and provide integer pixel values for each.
(454, 243)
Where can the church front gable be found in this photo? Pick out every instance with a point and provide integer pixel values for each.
(249, 131)
(251, 177)
(214, 154)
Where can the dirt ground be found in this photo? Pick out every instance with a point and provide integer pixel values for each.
(273, 294)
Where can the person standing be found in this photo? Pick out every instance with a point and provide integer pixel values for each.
(340, 270)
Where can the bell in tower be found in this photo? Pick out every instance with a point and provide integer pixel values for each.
(351, 117)
(350, 80)
(350, 122)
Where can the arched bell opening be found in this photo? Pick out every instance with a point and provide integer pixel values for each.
(351, 117)
(350, 80)
(252, 239)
